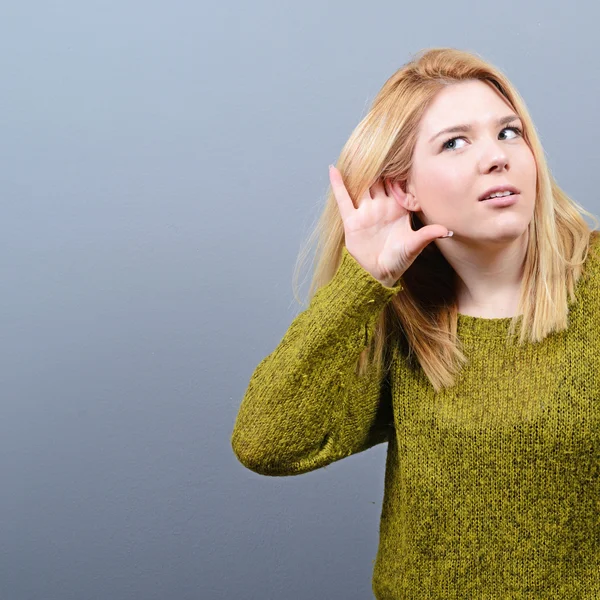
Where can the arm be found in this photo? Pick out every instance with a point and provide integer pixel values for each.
(305, 407)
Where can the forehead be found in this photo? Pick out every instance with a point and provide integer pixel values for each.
(467, 102)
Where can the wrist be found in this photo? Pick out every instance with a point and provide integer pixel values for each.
(389, 282)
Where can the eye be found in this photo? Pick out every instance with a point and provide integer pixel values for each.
(516, 130)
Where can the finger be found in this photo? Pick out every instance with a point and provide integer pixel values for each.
(377, 189)
(386, 188)
(427, 234)
(340, 193)
(366, 196)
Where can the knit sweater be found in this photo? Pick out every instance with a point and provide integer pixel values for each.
(492, 487)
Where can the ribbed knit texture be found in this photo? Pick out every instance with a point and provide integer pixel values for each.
(492, 488)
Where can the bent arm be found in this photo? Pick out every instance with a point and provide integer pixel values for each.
(305, 407)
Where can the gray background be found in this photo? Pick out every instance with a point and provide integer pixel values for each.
(161, 163)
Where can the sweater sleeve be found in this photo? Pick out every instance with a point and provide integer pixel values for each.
(305, 407)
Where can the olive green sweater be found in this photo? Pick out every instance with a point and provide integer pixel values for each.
(492, 487)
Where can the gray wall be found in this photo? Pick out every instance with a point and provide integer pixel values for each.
(160, 165)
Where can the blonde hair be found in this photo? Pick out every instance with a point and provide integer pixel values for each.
(425, 314)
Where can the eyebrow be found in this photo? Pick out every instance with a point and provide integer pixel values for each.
(467, 127)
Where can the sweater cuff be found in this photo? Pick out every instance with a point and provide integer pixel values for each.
(356, 289)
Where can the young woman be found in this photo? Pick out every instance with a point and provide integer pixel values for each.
(455, 314)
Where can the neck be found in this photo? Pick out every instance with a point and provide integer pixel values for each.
(489, 275)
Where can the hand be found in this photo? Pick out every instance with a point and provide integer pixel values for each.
(378, 233)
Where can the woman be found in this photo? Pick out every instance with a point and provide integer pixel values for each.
(425, 278)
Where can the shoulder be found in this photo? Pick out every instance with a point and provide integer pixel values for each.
(595, 241)
(592, 261)
(587, 285)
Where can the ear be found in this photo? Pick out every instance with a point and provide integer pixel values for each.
(412, 203)
(404, 193)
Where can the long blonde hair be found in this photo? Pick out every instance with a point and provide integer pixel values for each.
(425, 313)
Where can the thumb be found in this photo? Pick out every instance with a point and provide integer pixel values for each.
(427, 234)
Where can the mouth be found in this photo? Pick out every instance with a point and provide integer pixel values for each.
(502, 201)
(499, 189)
(498, 197)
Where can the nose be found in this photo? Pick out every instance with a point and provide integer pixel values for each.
(495, 158)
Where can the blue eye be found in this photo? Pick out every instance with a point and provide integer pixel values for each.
(516, 130)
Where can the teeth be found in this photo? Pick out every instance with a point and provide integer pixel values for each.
(499, 194)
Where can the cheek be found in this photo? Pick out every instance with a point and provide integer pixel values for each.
(528, 175)
(533, 170)
(444, 189)
(526, 161)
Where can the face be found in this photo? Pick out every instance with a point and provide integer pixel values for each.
(450, 172)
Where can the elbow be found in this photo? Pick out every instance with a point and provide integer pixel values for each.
(265, 460)
(249, 455)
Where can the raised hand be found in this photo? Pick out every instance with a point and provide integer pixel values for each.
(378, 233)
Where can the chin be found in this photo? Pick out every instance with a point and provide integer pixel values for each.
(499, 233)
(507, 234)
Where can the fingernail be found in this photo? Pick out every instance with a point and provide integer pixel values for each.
(449, 234)
(330, 167)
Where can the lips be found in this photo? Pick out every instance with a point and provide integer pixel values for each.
(498, 197)
(499, 188)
